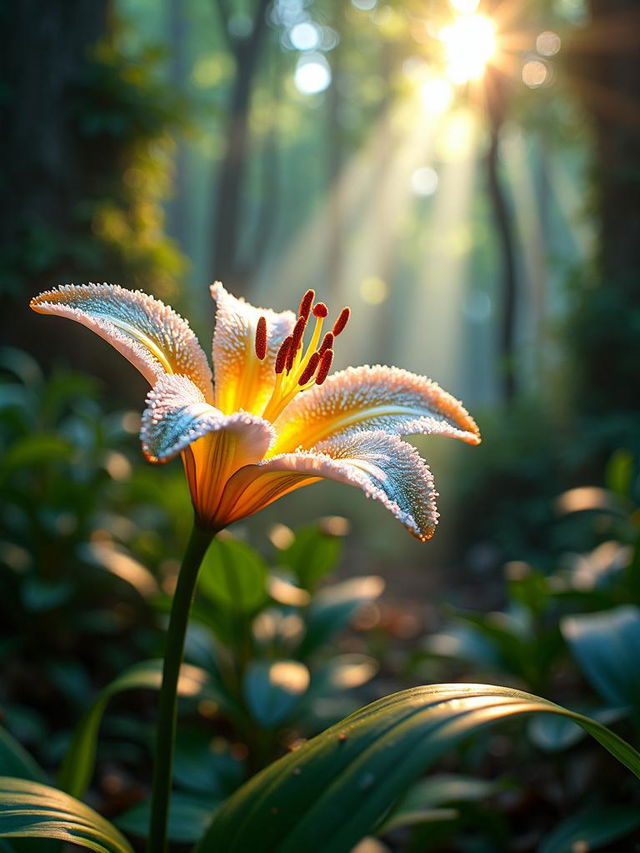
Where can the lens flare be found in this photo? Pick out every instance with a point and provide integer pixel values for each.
(469, 43)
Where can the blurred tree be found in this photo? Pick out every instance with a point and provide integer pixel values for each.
(85, 132)
(496, 91)
(245, 35)
(606, 65)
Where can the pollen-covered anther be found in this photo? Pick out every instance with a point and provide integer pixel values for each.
(261, 338)
(283, 352)
(327, 342)
(305, 304)
(296, 340)
(310, 369)
(341, 322)
(325, 366)
(320, 310)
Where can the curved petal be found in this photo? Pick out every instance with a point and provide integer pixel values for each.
(385, 398)
(177, 414)
(213, 445)
(242, 380)
(151, 335)
(386, 468)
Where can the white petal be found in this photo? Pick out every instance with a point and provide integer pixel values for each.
(177, 414)
(386, 398)
(149, 333)
(386, 468)
(242, 380)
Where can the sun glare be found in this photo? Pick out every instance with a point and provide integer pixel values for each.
(469, 42)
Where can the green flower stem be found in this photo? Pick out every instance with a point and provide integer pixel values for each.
(174, 647)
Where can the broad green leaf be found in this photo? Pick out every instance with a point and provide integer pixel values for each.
(272, 689)
(31, 810)
(312, 555)
(607, 647)
(77, 768)
(334, 607)
(189, 816)
(233, 575)
(592, 830)
(330, 792)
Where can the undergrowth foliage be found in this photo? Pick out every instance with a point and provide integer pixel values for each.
(274, 665)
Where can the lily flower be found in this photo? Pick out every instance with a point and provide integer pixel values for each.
(275, 419)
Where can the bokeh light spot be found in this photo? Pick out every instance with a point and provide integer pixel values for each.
(305, 36)
(535, 73)
(374, 290)
(548, 43)
(313, 74)
(424, 181)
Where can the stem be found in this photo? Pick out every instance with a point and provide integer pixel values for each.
(174, 646)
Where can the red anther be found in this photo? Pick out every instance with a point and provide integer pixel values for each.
(261, 338)
(342, 321)
(320, 310)
(327, 342)
(306, 303)
(310, 369)
(325, 366)
(296, 340)
(283, 352)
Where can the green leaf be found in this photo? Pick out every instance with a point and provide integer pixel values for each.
(607, 647)
(16, 761)
(312, 555)
(233, 575)
(553, 734)
(77, 768)
(35, 450)
(331, 791)
(189, 817)
(334, 607)
(31, 810)
(591, 830)
(424, 800)
(619, 473)
(273, 689)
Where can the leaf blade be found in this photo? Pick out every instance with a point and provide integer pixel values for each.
(32, 810)
(330, 792)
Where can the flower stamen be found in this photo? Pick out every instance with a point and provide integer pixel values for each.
(305, 304)
(320, 310)
(297, 367)
(342, 321)
(327, 342)
(283, 352)
(261, 338)
(325, 366)
(310, 369)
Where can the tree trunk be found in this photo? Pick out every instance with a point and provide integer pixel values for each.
(43, 61)
(503, 219)
(605, 61)
(177, 214)
(231, 172)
